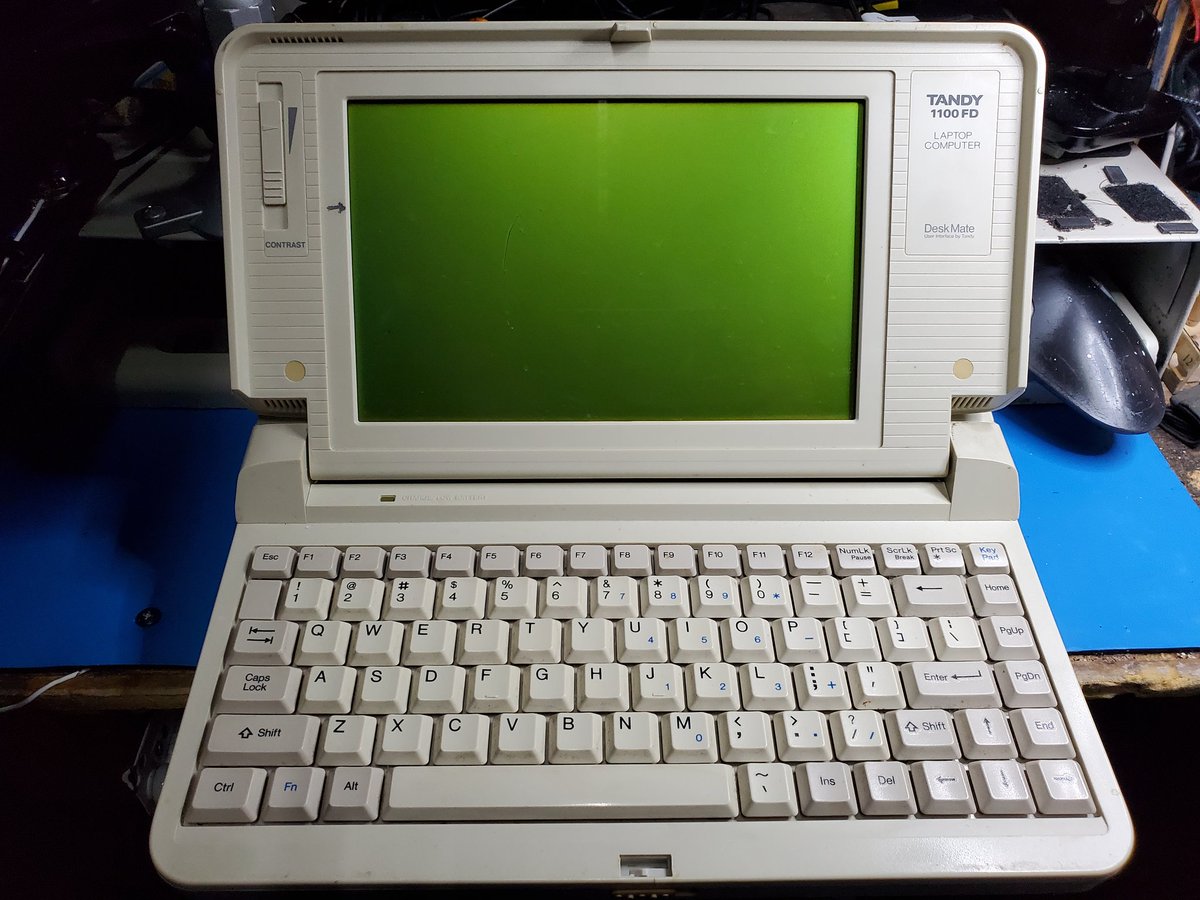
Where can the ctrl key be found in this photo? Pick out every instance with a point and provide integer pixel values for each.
(226, 796)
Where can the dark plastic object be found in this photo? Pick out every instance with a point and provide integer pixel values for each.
(1086, 352)
(1089, 109)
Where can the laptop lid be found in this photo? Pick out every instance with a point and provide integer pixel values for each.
(640, 251)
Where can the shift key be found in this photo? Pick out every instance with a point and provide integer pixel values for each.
(247, 740)
(949, 685)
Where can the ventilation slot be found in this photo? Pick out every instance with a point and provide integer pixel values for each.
(282, 407)
(970, 404)
(308, 39)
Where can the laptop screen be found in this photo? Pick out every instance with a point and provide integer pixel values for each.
(605, 260)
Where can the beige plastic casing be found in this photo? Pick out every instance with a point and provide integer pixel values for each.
(922, 313)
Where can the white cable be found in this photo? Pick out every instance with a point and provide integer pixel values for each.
(45, 687)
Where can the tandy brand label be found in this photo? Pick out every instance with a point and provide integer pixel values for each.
(951, 163)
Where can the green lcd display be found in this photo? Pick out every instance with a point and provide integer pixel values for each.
(620, 261)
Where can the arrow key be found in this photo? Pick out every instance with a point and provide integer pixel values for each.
(941, 788)
(1001, 788)
(767, 791)
(984, 734)
(1059, 788)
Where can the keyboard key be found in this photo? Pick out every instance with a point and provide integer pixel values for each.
(689, 737)
(353, 794)
(858, 735)
(577, 739)
(1041, 734)
(263, 643)
(462, 598)
(536, 641)
(631, 559)
(364, 562)
(666, 597)
(818, 596)
(852, 639)
(548, 689)
(768, 596)
(987, 559)
(251, 740)
(884, 789)
(899, 559)
(615, 597)
(294, 795)
(564, 598)
(765, 559)
(984, 734)
(927, 596)
(318, 562)
(657, 687)
(430, 644)
(1000, 787)
(260, 599)
(875, 685)
(1059, 788)
(825, 789)
(410, 599)
(449, 562)
(809, 559)
(693, 640)
(602, 687)
(543, 561)
(383, 690)
(720, 559)
(949, 685)
(439, 689)
(272, 562)
(462, 741)
(716, 597)
(767, 686)
(799, 640)
(675, 559)
(747, 640)
(1008, 637)
(347, 741)
(821, 686)
(943, 559)
(629, 792)
(358, 599)
(519, 740)
(494, 689)
(712, 686)
(497, 561)
(767, 791)
(323, 643)
(632, 737)
(589, 640)
(409, 562)
(904, 639)
(802, 736)
(853, 559)
(513, 598)
(941, 788)
(994, 595)
(404, 741)
(922, 734)
(1024, 683)
(745, 737)
(956, 638)
(868, 595)
(226, 796)
(484, 642)
(377, 644)
(306, 599)
(258, 689)
(587, 560)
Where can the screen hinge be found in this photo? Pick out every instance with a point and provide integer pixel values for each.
(630, 33)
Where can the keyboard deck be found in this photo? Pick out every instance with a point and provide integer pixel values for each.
(632, 682)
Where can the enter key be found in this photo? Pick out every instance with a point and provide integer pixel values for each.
(949, 685)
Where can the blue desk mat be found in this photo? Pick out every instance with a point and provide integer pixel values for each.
(146, 522)
(1111, 529)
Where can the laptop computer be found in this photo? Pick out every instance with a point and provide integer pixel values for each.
(630, 516)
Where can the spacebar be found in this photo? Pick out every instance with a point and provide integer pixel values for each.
(510, 793)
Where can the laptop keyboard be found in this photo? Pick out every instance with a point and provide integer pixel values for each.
(632, 682)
